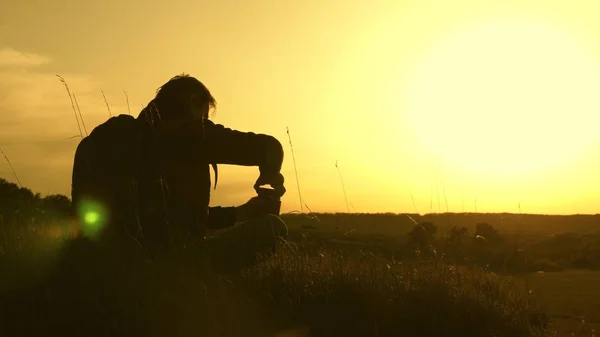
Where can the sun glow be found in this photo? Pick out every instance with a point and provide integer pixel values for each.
(508, 99)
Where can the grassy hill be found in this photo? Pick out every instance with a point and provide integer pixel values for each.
(337, 275)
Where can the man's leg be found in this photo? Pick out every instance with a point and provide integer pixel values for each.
(239, 246)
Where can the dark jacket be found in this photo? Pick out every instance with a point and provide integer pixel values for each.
(156, 191)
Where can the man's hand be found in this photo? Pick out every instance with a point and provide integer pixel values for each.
(255, 207)
(276, 181)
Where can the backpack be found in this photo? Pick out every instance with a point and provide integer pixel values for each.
(105, 165)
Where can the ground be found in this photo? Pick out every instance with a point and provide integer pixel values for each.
(339, 274)
(569, 297)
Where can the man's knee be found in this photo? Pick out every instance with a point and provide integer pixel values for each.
(269, 225)
(277, 225)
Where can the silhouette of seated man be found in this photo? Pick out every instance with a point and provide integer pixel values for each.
(146, 180)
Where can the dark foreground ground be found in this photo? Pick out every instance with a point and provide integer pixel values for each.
(338, 276)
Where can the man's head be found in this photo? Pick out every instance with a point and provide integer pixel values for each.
(184, 96)
(182, 99)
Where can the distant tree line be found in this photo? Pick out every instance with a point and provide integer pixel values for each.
(481, 244)
(19, 205)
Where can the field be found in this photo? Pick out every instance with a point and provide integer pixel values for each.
(569, 294)
(337, 275)
(569, 297)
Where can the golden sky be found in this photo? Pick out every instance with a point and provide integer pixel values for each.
(461, 104)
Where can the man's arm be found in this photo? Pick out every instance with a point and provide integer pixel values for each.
(227, 146)
(231, 147)
(223, 217)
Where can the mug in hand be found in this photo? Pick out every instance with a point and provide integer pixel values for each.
(272, 203)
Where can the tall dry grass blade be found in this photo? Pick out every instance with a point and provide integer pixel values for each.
(411, 219)
(443, 184)
(106, 102)
(343, 186)
(437, 186)
(431, 198)
(308, 208)
(311, 214)
(295, 170)
(72, 104)
(413, 200)
(11, 168)
(80, 115)
(127, 99)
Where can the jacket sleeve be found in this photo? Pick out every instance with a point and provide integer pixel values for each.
(221, 217)
(231, 147)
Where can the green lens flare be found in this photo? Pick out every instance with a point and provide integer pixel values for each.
(93, 217)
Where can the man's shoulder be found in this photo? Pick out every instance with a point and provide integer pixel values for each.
(118, 129)
(115, 135)
(116, 126)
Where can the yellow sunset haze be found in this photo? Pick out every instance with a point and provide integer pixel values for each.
(493, 103)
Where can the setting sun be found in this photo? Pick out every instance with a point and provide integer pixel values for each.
(300, 168)
(506, 99)
(495, 101)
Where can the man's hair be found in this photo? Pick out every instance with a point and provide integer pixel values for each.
(184, 85)
(170, 97)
